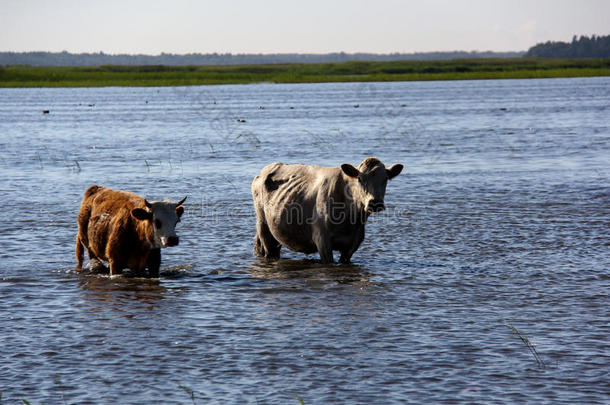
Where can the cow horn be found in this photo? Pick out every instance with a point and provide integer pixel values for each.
(181, 201)
(147, 203)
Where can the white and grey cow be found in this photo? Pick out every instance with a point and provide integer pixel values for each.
(312, 209)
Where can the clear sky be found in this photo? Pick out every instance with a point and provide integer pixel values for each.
(287, 26)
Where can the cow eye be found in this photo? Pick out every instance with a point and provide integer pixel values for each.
(158, 224)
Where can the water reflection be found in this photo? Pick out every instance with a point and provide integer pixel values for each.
(308, 269)
(112, 291)
(128, 290)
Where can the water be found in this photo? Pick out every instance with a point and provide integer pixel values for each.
(500, 218)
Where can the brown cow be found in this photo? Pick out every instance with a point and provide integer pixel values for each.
(125, 230)
(317, 209)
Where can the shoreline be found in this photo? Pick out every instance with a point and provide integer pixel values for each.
(163, 75)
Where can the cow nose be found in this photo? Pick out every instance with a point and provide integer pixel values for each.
(173, 241)
(376, 206)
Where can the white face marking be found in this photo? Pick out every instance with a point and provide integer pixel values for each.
(164, 223)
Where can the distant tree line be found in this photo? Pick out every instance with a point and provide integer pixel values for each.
(580, 47)
(583, 47)
(101, 58)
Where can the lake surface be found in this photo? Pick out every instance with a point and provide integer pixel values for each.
(500, 220)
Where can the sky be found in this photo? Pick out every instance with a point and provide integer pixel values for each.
(287, 26)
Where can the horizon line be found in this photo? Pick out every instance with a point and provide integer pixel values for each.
(262, 53)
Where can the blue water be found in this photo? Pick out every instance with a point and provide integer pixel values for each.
(500, 219)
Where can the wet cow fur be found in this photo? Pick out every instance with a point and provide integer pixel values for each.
(125, 230)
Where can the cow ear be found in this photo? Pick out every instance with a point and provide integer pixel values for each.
(179, 210)
(394, 170)
(349, 170)
(141, 214)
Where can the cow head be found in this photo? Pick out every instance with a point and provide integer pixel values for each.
(372, 177)
(163, 216)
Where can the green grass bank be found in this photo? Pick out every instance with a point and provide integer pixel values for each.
(161, 75)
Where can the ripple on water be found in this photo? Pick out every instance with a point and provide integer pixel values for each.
(500, 218)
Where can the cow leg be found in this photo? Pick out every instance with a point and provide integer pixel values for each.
(358, 237)
(326, 255)
(259, 249)
(265, 245)
(154, 263)
(92, 255)
(116, 267)
(80, 253)
(81, 235)
(323, 243)
(345, 256)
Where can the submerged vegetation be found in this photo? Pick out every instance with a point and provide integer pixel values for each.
(355, 71)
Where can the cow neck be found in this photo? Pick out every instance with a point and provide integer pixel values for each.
(146, 232)
(354, 197)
